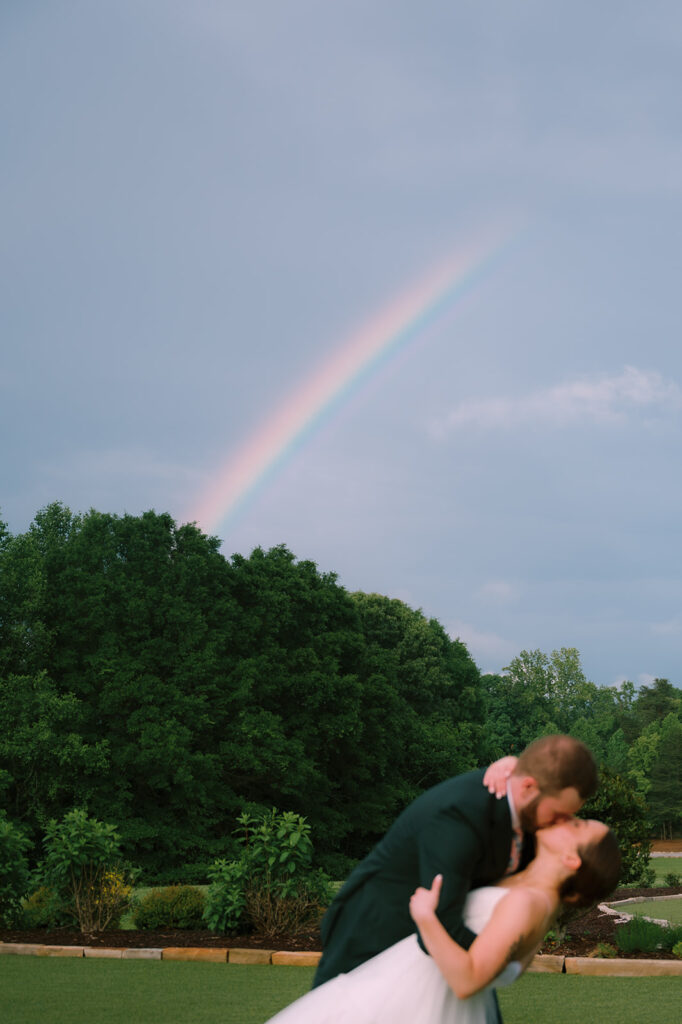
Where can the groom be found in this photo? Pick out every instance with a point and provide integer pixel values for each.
(457, 829)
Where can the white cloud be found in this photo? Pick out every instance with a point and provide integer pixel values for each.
(497, 592)
(490, 651)
(599, 399)
(671, 627)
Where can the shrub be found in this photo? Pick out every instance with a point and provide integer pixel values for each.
(226, 900)
(643, 876)
(671, 935)
(271, 888)
(43, 909)
(640, 935)
(672, 879)
(83, 868)
(677, 949)
(14, 872)
(176, 906)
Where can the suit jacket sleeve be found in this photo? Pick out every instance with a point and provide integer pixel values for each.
(450, 847)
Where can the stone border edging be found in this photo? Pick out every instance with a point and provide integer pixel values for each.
(547, 963)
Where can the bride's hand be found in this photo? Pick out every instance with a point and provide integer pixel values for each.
(496, 775)
(423, 902)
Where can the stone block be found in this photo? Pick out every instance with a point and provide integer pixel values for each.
(617, 968)
(21, 948)
(142, 954)
(250, 956)
(300, 959)
(74, 951)
(103, 952)
(214, 956)
(547, 963)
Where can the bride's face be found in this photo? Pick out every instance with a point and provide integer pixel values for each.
(570, 836)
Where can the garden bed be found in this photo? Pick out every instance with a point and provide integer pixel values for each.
(585, 934)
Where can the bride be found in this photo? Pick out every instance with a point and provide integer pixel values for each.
(576, 863)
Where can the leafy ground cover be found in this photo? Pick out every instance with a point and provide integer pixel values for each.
(43, 991)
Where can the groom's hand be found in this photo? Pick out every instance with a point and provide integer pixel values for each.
(496, 775)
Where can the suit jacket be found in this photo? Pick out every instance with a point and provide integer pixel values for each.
(457, 829)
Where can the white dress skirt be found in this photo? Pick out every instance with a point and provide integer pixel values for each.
(402, 985)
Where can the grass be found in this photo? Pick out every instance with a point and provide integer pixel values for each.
(662, 910)
(37, 990)
(34, 990)
(538, 998)
(664, 865)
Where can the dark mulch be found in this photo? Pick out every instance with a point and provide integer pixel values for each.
(584, 935)
(586, 932)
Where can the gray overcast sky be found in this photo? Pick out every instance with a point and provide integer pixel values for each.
(201, 201)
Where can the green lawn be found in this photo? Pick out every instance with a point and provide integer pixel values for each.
(664, 865)
(34, 990)
(662, 910)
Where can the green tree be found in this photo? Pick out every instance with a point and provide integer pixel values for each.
(654, 702)
(665, 794)
(642, 757)
(45, 760)
(618, 804)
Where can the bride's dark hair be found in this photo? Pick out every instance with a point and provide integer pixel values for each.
(597, 875)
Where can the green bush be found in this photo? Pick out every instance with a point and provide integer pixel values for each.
(677, 949)
(14, 871)
(640, 935)
(83, 868)
(671, 936)
(176, 906)
(43, 909)
(672, 879)
(272, 887)
(643, 876)
(226, 900)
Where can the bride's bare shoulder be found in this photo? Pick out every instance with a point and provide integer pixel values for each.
(525, 901)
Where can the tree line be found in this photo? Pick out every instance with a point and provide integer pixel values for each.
(168, 689)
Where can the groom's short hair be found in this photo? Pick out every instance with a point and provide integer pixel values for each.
(557, 762)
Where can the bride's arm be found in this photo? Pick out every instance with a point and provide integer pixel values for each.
(506, 937)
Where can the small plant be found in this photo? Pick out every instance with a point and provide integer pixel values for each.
(14, 871)
(271, 888)
(672, 879)
(83, 868)
(176, 906)
(677, 950)
(604, 950)
(640, 935)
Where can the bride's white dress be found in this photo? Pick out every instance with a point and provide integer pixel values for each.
(402, 985)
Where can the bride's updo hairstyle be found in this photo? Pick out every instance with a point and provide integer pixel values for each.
(558, 762)
(597, 875)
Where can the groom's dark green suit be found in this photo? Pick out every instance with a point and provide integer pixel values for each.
(457, 829)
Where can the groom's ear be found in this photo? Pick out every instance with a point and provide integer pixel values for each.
(528, 790)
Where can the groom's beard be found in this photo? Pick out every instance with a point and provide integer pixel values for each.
(528, 815)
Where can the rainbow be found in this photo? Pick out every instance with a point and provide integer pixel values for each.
(403, 320)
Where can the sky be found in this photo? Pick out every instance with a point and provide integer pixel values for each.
(393, 284)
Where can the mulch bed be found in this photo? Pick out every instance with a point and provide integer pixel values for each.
(584, 935)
